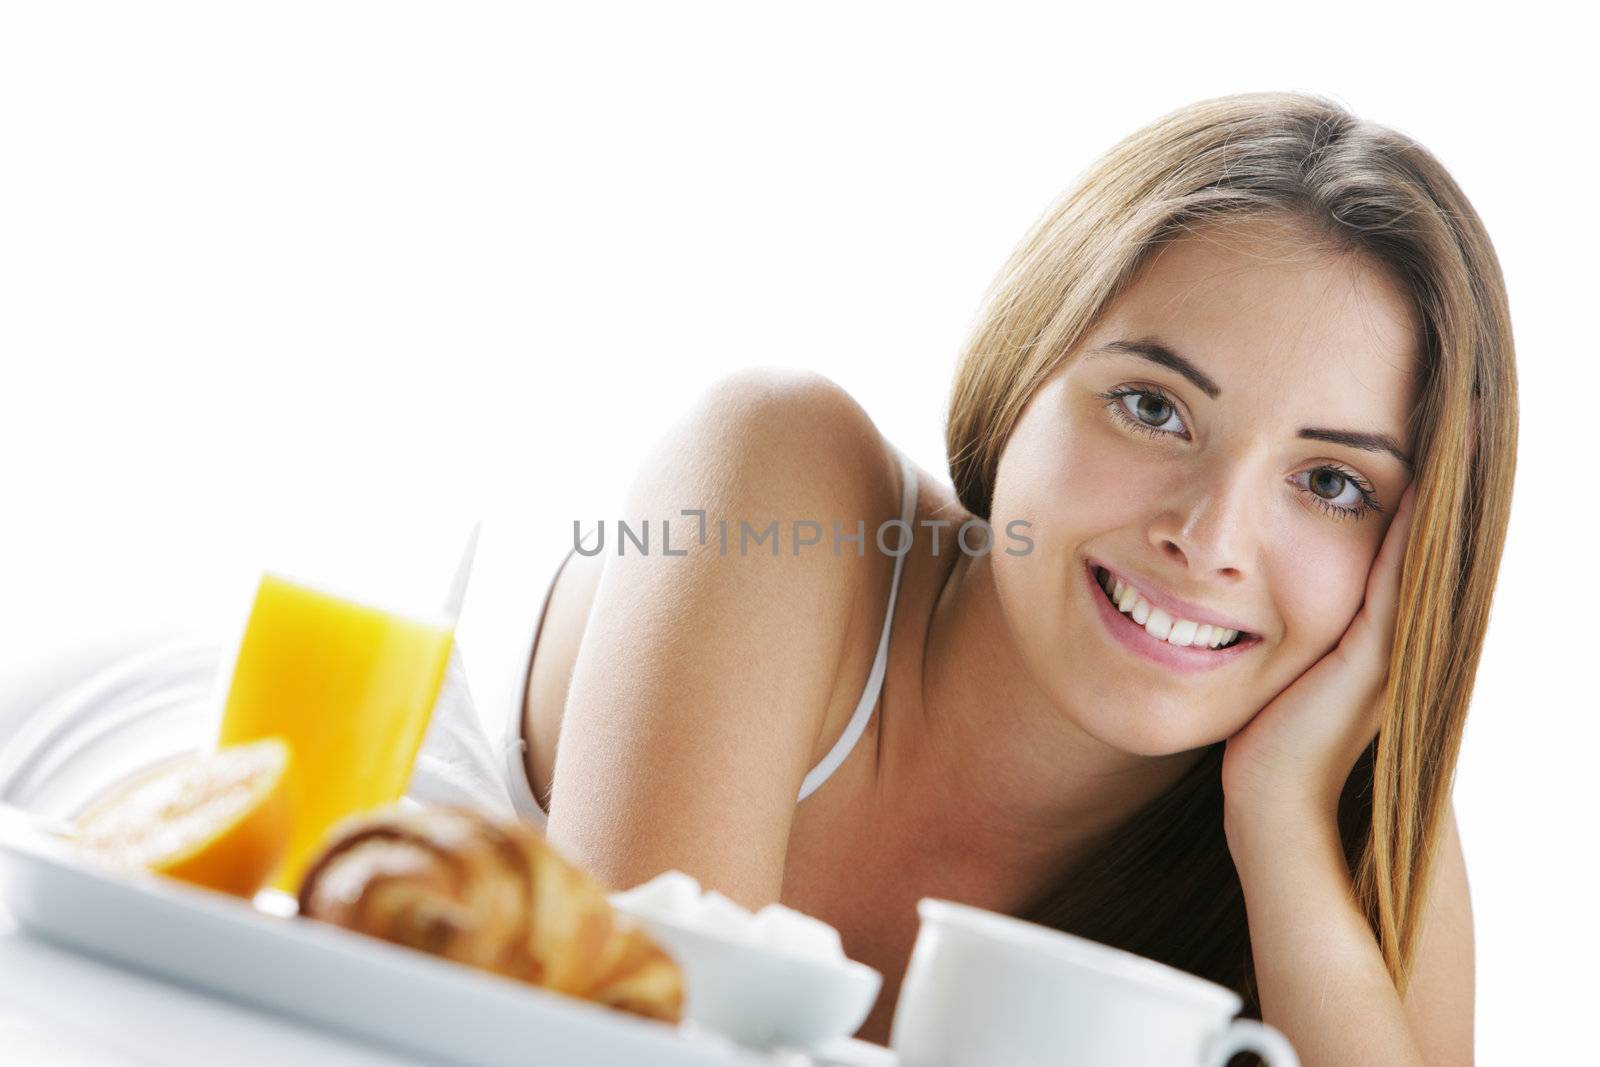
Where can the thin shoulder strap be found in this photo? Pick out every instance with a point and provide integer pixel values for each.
(869, 697)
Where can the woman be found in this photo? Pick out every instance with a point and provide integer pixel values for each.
(1248, 385)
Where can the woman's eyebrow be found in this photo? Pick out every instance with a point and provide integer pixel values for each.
(1367, 442)
(1154, 351)
(1158, 353)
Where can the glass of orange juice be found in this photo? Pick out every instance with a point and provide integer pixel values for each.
(349, 685)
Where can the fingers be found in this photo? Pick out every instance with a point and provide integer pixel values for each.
(1383, 582)
(1372, 630)
(1393, 551)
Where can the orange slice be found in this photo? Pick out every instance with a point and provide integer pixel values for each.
(218, 819)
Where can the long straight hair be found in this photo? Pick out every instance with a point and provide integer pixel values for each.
(1165, 886)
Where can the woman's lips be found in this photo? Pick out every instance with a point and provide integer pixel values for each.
(1172, 605)
(1133, 637)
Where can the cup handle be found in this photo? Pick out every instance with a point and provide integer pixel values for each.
(1247, 1035)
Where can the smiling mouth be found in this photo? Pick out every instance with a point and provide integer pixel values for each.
(1158, 624)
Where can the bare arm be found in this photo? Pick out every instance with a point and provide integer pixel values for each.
(700, 687)
(1439, 1000)
(1320, 973)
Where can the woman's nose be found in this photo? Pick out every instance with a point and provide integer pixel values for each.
(1209, 525)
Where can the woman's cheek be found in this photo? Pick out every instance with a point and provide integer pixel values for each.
(1323, 585)
(1074, 483)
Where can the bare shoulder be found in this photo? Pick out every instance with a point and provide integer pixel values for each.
(792, 434)
(779, 440)
(774, 457)
(702, 678)
(1439, 998)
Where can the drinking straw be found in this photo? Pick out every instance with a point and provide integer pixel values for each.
(458, 588)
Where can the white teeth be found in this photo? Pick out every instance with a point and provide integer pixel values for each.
(1160, 625)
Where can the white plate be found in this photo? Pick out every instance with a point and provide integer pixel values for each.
(356, 984)
(147, 707)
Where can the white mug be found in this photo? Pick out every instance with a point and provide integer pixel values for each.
(984, 988)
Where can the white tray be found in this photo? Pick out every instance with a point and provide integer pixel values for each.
(359, 985)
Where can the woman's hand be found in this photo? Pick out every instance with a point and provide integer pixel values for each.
(1294, 756)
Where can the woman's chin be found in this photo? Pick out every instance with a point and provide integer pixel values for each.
(1153, 730)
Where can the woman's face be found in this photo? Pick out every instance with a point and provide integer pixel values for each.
(1239, 492)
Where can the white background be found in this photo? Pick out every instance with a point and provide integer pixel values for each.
(290, 277)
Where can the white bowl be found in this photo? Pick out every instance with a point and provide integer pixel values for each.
(762, 996)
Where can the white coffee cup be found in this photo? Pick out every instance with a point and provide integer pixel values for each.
(984, 988)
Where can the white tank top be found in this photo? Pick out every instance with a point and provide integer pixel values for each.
(458, 764)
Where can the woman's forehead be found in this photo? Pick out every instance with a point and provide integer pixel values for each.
(1261, 311)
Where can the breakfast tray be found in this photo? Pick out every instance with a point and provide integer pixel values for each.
(163, 701)
(397, 997)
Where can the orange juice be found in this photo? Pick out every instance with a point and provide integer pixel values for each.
(349, 687)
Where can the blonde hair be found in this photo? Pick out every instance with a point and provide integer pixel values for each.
(1357, 188)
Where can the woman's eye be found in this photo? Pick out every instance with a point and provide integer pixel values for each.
(1338, 493)
(1145, 409)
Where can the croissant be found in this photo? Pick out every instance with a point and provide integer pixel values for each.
(493, 895)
